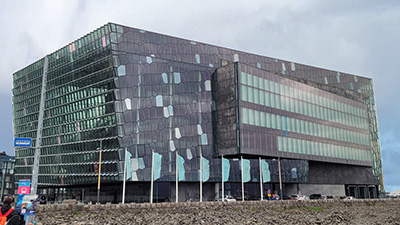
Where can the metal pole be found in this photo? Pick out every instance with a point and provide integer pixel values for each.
(124, 179)
(152, 174)
(83, 196)
(176, 178)
(241, 162)
(201, 177)
(261, 181)
(280, 176)
(35, 171)
(98, 182)
(222, 169)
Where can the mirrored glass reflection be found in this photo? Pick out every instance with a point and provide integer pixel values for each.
(177, 77)
(165, 78)
(197, 56)
(121, 70)
(204, 140)
(189, 154)
(128, 104)
(149, 60)
(177, 133)
(159, 101)
(207, 84)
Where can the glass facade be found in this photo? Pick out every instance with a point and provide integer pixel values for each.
(7, 174)
(164, 103)
(298, 118)
(144, 91)
(79, 112)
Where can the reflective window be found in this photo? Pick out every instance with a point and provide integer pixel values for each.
(159, 101)
(245, 115)
(149, 60)
(164, 78)
(177, 77)
(257, 118)
(251, 117)
(121, 70)
(197, 56)
(207, 84)
(256, 96)
(204, 140)
(128, 104)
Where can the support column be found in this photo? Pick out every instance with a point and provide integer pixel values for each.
(38, 145)
(35, 171)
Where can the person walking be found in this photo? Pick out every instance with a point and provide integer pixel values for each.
(13, 218)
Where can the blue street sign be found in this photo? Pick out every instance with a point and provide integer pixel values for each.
(22, 142)
(24, 186)
(24, 182)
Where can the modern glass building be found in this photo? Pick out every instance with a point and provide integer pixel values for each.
(7, 164)
(120, 87)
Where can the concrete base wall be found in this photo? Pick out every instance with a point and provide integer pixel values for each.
(332, 173)
(324, 189)
(292, 189)
(189, 192)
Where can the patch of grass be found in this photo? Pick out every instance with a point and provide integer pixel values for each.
(253, 209)
(84, 214)
(371, 203)
(273, 208)
(315, 208)
(75, 212)
(234, 209)
(290, 207)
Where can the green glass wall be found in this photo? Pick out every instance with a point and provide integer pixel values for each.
(78, 114)
(26, 91)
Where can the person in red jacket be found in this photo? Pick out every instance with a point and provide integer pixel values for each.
(13, 218)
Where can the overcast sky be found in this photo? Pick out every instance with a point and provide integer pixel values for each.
(359, 37)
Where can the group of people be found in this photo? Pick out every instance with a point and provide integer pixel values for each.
(14, 217)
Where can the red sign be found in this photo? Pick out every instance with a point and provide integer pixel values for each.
(24, 186)
(24, 190)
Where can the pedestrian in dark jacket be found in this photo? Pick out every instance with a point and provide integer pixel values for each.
(13, 218)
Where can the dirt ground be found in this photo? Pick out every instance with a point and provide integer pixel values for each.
(335, 213)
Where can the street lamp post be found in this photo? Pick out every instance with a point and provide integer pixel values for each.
(280, 177)
(99, 168)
